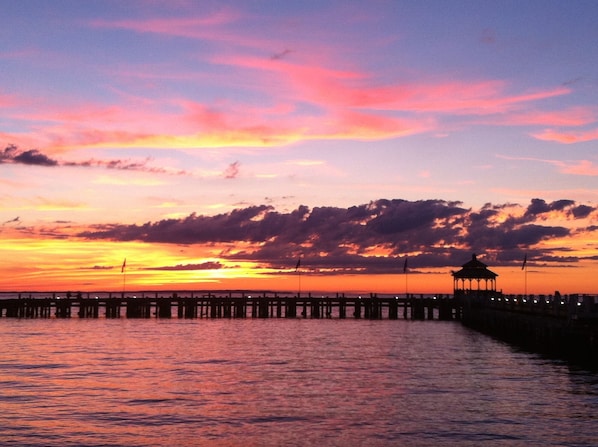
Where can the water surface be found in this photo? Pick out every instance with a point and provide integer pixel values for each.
(250, 382)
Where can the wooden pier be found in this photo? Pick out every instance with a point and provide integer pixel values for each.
(564, 326)
(554, 325)
(229, 305)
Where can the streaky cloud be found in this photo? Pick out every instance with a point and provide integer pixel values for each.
(568, 137)
(12, 154)
(15, 220)
(210, 265)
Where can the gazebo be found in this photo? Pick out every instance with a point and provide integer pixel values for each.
(474, 278)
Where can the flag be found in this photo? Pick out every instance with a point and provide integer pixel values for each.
(298, 264)
(524, 262)
(122, 269)
(405, 265)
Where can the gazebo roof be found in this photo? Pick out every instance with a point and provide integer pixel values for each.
(475, 269)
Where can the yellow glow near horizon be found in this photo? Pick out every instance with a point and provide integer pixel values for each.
(55, 265)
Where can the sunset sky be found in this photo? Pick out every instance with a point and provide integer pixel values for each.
(213, 144)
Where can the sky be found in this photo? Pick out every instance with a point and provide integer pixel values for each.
(214, 144)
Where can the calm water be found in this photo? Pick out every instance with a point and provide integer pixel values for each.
(282, 382)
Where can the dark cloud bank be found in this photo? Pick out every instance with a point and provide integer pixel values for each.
(33, 157)
(436, 233)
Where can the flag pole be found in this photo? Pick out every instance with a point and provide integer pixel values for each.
(124, 272)
(524, 268)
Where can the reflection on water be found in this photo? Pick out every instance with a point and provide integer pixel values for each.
(282, 382)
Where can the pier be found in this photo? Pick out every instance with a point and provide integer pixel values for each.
(228, 305)
(554, 325)
(564, 326)
(561, 326)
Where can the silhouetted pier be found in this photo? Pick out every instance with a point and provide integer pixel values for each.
(229, 305)
(566, 326)
(562, 326)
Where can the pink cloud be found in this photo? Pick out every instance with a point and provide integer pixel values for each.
(210, 27)
(8, 101)
(283, 123)
(322, 102)
(579, 167)
(345, 107)
(567, 137)
(22, 54)
(18, 139)
(194, 27)
(476, 98)
(343, 88)
(302, 100)
(336, 87)
(582, 167)
(574, 116)
(99, 126)
(363, 126)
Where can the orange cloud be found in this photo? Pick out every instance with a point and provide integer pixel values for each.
(45, 204)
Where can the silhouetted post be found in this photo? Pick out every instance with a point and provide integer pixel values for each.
(405, 271)
(393, 309)
(298, 271)
(357, 312)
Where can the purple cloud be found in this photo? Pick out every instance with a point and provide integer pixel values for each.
(12, 154)
(232, 171)
(210, 265)
(443, 233)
